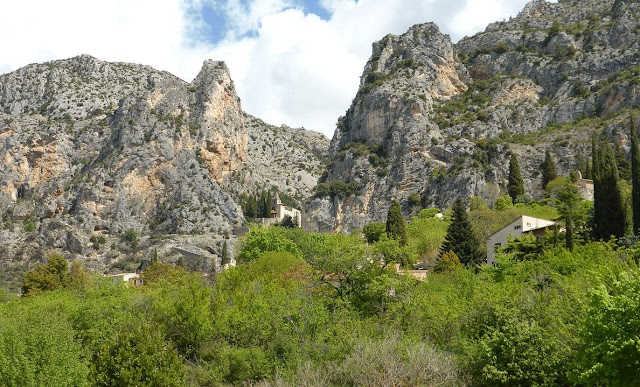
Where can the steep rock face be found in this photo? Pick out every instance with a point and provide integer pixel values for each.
(433, 120)
(91, 149)
(284, 159)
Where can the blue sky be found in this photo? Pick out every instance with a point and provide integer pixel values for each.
(294, 62)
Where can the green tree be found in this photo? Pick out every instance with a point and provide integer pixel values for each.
(38, 345)
(395, 223)
(548, 169)
(78, 277)
(571, 211)
(610, 212)
(447, 263)
(503, 203)
(373, 231)
(515, 187)
(624, 168)
(51, 276)
(131, 235)
(137, 355)
(611, 335)
(635, 177)
(461, 239)
(225, 254)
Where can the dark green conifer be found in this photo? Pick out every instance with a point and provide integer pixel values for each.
(624, 168)
(461, 239)
(395, 223)
(515, 188)
(635, 177)
(225, 254)
(587, 173)
(610, 213)
(548, 169)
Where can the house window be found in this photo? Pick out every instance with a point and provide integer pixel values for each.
(528, 224)
(517, 227)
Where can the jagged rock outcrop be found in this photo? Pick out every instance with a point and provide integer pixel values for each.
(91, 149)
(434, 120)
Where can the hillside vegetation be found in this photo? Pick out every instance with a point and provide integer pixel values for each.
(309, 309)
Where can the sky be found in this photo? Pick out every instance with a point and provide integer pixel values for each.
(294, 62)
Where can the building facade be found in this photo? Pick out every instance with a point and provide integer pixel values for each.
(517, 228)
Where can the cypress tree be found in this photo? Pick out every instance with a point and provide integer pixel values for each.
(610, 215)
(570, 210)
(225, 254)
(635, 177)
(624, 169)
(515, 187)
(461, 239)
(587, 172)
(395, 223)
(548, 169)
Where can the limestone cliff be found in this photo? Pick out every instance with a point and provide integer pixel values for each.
(91, 149)
(434, 120)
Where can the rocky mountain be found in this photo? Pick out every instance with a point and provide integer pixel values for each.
(94, 153)
(433, 120)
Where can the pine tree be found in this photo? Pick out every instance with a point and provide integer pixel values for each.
(461, 239)
(635, 177)
(548, 170)
(515, 187)
(395, 223)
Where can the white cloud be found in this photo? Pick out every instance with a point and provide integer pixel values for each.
(304, 71)
(288, 66)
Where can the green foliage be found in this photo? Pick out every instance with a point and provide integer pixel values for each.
(477, 203)
(635, 178)
(610, 205)
(414, 199)
(570, 211)
(611, 334)
(38, 347)
(131, 235)
(461, 239)
(225, 254)
(515, 187)
(336, 188)
(555, 184)
(137, 355)
(456, 110)
(425, 236)
(29, 226)
(428, 213)
(51, 276)
(548, 169)
(503, 203)
(447, 263)
(526, 247)
(262, 240)
(395, 223)
(335, 312)
(373, 231)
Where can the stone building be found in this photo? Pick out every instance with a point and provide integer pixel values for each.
(585, 188)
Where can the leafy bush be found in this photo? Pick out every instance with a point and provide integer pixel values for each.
(336, 188)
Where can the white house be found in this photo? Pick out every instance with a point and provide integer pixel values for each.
(517, 228)
(131, 279)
